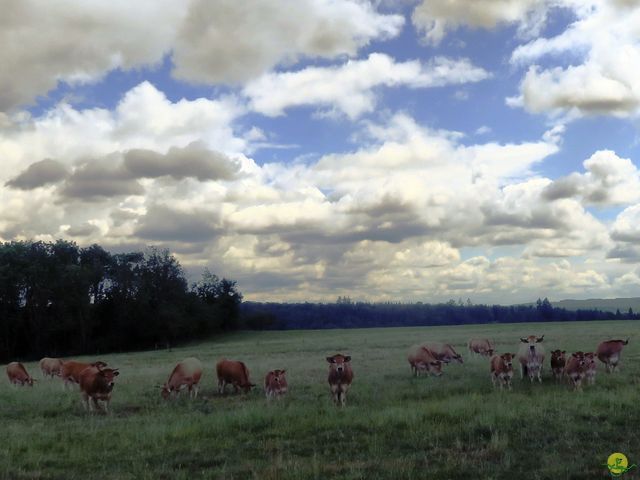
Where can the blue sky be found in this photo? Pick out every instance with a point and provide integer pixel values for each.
(390, 150)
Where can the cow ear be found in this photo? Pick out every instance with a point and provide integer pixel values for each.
(116, 373)
(564, 351)
(540, 339)
(574, 354)
(282, 372)
(331, 360)
(347, 358)
(524, 340)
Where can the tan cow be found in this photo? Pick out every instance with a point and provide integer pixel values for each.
(96, 384)
(443, 352)
(340, 377)
(51, 367)
(575, 369)
(481, 346)
(275, 384)
(558, 361)
(609, 353)
(591, 367)
(502, 370)
(421, 360)
(232, 372)
(531, 357)
(72, 369)
(186, 374)
(18, 374)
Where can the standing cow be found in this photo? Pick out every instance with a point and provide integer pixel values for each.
(340, 377)
(531, 357)
(232, 372)
(481, 346)
(51, 367)
(96, 384)
(421, 360)
(186, 374)
(18, 374)
(591, 367)
(558, 361)
(275, 384)
(609, 353)
(502, 369)
(443, 352)
(575, 369)
(72, 369)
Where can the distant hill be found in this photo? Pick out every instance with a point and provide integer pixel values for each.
(604, 304)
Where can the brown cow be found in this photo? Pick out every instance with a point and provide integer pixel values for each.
(558, 361)
(18, 374)
(51, 367)
(590, 364)
(275, 384)
(575, 369)
(421, 360)
(443, 352)
(481, 346)
(340, 377)
(72, 369)
(96, 383)
(186, 374)
(234, 373)
(609, 353)
(502, 369)
(531, 357)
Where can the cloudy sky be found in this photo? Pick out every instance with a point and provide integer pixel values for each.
(415, 150)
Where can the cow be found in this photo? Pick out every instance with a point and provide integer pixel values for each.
(186, 374)
(590, 364)
(72, 369)
(340, 377)
(234, 373)
(575, 369)
(275, 384)
(96, 383)
(421, 360)
(531, 357)
(51, 367)
(502, 369)
(609, 353)
(18, 374)
(558, 361)
(481, 346)
(443, 352)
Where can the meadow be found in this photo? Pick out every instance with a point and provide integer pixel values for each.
(394, 426)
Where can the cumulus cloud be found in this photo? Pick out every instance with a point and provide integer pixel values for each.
(39, 174)
(349, 88)
(163, 223)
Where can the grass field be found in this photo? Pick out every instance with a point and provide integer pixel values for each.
(394, 427)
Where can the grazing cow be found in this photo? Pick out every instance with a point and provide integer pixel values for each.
(18, 374)
(502, 369)
(275, 384)
(558, 361)
(71, 370)
(51, 367)
(481, 346)
(609, 353)
(186, 374)
(96, 383)
(421, 360)
(443, 352)
(575, 369)
(234, 373)
(590, 364)
(531, 357)
(340, 377)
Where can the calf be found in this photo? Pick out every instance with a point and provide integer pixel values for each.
(575, 369)
(340, 377)
(558, 361)
(590, 364)
(96, 384)
(51, 367)
(71, 370)
(186, 374)
(421, 360)
(481, 346)
(18, 374)
(234, 373)
(531, 357)
(443, 352)
(502, 369)
(609, 353)
(275, 384)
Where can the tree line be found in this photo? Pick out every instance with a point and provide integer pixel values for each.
(58, 299)
(345, 313)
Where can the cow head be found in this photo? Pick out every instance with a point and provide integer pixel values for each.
(531, 340)
(247, 387)
(590, 359)
(165, 391)
(108, 376)
(338, 362)
(558, 355)
(489, 352)
(278, 376)
(435, 368)
(579, 357)
(507, 358)
(29, 381)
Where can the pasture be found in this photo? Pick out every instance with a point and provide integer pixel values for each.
(394, 426)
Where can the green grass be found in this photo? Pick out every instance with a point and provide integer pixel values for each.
(394, 427)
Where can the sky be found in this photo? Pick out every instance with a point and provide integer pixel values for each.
(389, 150)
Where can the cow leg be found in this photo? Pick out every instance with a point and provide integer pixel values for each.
(85, 402)
(196, 390)
(221, 386)
(523, 371)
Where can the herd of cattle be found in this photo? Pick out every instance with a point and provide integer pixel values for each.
(96, 381)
